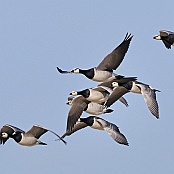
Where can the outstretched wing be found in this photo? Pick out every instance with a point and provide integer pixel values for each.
(37, 131)
(150, 99)
(77, 126)
(167, 44)
(114, 59)
(78, 106)
(113, 131)
(165, 33)
(117, 93)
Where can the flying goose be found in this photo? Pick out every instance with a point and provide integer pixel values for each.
(147, 91)
(100, 124)
(104, 71)
(79, 104)
(29, 138)
(167, 38)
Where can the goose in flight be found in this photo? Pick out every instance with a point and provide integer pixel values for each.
(100, 124)
(147, 91)
(104, 71)
(29, 138)
(167, 38)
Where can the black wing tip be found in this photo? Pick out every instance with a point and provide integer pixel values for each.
(63, 140)
(60, 70)
(128, 37)
(123, 143)
(157, 116)
(156, 90)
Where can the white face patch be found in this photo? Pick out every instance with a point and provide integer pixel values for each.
(4, 135)
(74, 93)
(76, 70)
(70, 102)
(114, 84)
(158, 37)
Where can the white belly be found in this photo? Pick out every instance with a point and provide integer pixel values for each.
(96, 96)
(102, 76)
(28, 141)
(94, 108)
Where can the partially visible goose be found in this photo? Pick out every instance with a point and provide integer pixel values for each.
(29, 138)
(136, 87)
(101, 93)
(104, 71)
(92, 107)
(100, 124)
(79, 104)
(167, 37)
(98, 94)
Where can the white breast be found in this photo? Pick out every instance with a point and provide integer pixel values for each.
(28, 141)
(97, 125)
(96, 96)
(135, 88)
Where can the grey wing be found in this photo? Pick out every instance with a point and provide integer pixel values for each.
(114, 59)
(37, 131)
(77, 126)
(167, 44)
(165, 33)
(150, 99)
(124, 101)
(113, 131)
(117, 93)
(76, 110)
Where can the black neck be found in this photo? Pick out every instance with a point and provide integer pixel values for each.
(89, 120)
(89, 73)
(17, 137)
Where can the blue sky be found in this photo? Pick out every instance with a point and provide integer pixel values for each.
(38, 36)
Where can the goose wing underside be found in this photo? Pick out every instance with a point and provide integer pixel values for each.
(113, 131)
(76, 110)
(150, 99)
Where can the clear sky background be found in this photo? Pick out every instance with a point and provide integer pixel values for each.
(37, 36)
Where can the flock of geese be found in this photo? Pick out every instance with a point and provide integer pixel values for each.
(96, 101)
